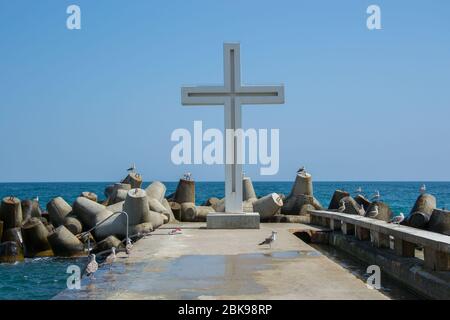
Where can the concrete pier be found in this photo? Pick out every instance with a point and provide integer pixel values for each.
(223, 264)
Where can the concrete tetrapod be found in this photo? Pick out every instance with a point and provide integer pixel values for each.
(134, 180)
(384, 211)
(119, 192)
(136, 206)
(73, 225)
(176, 209)
(336, 199)
(268, 205)
(351, 206)
(34, 235)
(166, 205)
(421, 212)
(157, 206)
(10, 252)
(13, 234)
(248, 192)
(302, 185)
(192, 213)
(185, 191)
(30, 208)
(89, 212)
(57, 210)
(11, 212)
(64, 243)
(363, 201)
(188, 212)
(440, 221)
(90, 195)
(107, 243)
(156, 190)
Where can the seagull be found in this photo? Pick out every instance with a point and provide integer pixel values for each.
(36, 199)
(175, 231)
(270, 239)
(111, 257)
(398, 219)
(132, 168)
(128, 246)
(423, 189)
(376, 196)
(92, 265)
(342, 207)
(374, 212)
(359, 190)
(301, 170)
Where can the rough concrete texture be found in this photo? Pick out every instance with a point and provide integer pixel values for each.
(225, 220)
(223, 264)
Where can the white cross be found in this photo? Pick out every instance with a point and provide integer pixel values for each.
(232, 95)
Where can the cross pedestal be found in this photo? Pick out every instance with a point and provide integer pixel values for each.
(232, 95)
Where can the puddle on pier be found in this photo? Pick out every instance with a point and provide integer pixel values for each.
(185, 277)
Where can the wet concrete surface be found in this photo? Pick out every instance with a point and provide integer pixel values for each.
(223, 264)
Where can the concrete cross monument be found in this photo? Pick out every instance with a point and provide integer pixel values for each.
(232, 95)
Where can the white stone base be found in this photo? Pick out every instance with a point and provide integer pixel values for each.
(224, 220)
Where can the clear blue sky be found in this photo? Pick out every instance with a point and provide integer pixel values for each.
(360, 105)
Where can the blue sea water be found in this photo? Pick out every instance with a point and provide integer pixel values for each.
(45, 277)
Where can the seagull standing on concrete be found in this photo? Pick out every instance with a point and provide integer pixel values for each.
(111, 257)
(423, 189)
(342, 207)
(128, 246)
(92, 266)
(398, 219)
(270, 239)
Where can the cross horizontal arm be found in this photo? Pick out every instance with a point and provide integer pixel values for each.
(213, 95)
(209, 95)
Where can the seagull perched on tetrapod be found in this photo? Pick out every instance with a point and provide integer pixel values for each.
(301, 170)
(91, 267)
(398, 219)
(376, 196)
(270, 239)
(132, 168)
(359, 190)
(423, 189)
